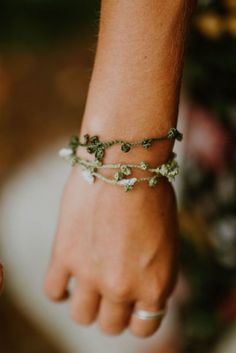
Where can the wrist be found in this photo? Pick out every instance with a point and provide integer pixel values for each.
(127, 173)
(129, 166)
(158, 153)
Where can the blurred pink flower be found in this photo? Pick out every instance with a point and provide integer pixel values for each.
(207, 140)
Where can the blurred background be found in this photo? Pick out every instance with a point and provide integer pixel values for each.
(47, 49)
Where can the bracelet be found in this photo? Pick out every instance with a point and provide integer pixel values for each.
(90, 172)
(95, 146)
(91, 169)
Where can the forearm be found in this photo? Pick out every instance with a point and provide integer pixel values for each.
(135, 84)
(122, 248)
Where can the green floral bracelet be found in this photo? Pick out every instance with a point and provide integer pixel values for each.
(90, 171)
(94, 146)
(122, 176)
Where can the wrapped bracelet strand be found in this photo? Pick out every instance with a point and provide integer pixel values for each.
(91, 169)
(94, 146)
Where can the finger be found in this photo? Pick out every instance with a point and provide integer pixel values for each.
(145, 327)
(56, 281)
(85, 304)
(113, 317)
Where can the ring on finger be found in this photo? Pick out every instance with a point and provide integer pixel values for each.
(149, 315)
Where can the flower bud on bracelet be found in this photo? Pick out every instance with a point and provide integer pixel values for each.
(91, 169)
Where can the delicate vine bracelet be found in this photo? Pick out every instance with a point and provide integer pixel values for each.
(91, 169)
(94, 146)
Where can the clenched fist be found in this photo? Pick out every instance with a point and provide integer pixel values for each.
(120, 247)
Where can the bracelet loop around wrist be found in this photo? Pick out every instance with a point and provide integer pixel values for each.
(91, 170)
(94, 146)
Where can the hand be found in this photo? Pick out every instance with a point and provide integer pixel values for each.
(120, 247)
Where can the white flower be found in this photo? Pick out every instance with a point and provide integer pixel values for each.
(163, 170)
(128, 181)
(169, 170)
(65, 152)
(88, 176)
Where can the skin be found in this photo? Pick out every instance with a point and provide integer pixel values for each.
(122, 248)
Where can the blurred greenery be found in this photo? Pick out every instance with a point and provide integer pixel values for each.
(210, 71)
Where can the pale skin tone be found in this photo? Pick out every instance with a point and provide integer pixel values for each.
(122, 248)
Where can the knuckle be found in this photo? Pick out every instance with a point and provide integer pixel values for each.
(117, 289)
(84, 274)
(119, 293)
